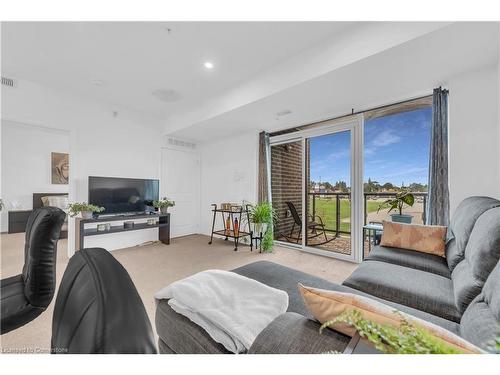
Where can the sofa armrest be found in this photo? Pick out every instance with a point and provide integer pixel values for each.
(291, 333)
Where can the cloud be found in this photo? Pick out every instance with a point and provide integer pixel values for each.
(382, 139)
(385, 138)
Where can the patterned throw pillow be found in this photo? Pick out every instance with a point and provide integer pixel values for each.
(424, 238)
(327, 305)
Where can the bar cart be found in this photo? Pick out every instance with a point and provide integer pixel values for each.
(235, 233)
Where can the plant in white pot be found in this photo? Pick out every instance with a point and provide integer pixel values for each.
(86, 210)
(397, 203)
(163, 204)
(262, 217)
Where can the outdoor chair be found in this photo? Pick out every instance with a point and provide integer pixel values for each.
(317, 227)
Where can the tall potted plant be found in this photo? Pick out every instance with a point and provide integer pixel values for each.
(397, 203)
(86, 210)
(262, 217)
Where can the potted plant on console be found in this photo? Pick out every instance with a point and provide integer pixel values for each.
(163, 204)
(86, 210)
(397, 203)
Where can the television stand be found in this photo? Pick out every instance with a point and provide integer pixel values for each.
(81, 232)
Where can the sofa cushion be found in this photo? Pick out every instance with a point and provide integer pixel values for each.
(178, 334)
(428, 239)
(480, 323)
(410, 258)
(407, 286)
(181, 335)
(481, 256)
(461, 225)
(291, 333)
(287, 279)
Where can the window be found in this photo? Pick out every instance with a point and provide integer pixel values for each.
(396, 148)
(323, 189)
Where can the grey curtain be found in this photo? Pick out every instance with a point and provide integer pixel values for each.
(263, 184)
(438, 202)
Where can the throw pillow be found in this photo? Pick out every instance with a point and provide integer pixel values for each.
(424, 238)
(59, 201)
(326, 305)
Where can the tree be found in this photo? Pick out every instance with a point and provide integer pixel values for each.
(371, 186)
(341, 186)
(388, 186)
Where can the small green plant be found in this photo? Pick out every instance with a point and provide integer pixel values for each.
(405, 339)
(268, 240)
(76, 208)
(398, 202)
(163, 203)
(1, 204)
(264, 214)
(494, 346)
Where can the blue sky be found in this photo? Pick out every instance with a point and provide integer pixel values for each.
(396, 150)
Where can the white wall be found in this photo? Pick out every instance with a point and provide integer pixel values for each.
(228, 174)
(26, 153)
(125, 145)
(474, 135)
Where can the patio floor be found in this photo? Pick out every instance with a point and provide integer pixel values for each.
(340, 244)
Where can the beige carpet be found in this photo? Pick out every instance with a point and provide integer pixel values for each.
(151, 268)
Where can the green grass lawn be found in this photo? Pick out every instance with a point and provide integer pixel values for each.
(326, 208)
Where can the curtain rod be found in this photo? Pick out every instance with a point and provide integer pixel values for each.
(305, 126)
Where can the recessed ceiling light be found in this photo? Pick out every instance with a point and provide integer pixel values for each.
(208, 65)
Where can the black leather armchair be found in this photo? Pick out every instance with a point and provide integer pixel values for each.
(25, 296)
(98, 309)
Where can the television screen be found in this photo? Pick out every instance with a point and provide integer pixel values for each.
(123, 195)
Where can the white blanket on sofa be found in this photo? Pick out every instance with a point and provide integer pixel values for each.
(232, 309)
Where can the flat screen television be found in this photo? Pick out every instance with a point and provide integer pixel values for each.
(123, 195)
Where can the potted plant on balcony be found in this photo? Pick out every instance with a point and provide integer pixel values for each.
(397, 203)
(262, 216)
(86, 210)
(163, 204)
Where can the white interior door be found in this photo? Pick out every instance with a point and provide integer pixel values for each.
(180, 181)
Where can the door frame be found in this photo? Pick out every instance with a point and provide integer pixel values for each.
(198, 177)
(355, 125)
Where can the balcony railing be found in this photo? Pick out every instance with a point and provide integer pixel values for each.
(338, 197)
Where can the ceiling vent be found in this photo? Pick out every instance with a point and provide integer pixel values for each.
(167, 96)
(180, 143)
(7, 81)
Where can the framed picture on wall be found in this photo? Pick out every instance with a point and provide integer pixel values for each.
(60, 168)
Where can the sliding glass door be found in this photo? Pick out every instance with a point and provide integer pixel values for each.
(329, 182)
(316, 187)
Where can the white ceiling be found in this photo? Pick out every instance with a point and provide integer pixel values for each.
(317, 70)
(133, 59)
(408, 70)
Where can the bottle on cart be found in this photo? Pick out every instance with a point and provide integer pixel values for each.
(228, 226)
(236, 227)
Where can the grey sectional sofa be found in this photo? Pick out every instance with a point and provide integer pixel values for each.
(460, 292)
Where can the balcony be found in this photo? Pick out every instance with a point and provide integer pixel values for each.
(333, 210)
